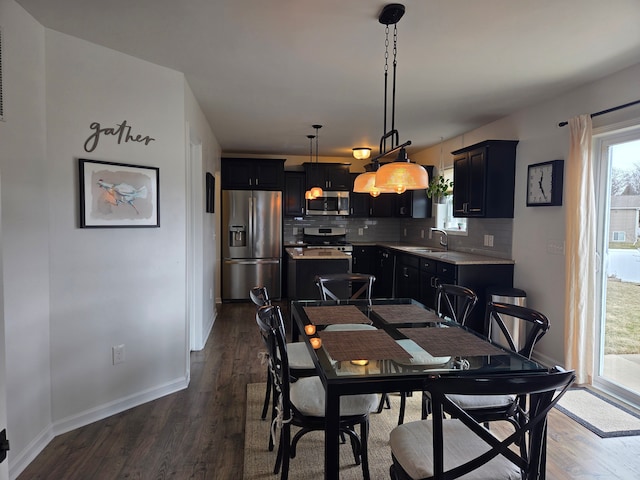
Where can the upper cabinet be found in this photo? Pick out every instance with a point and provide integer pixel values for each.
(329, 176)
(294, 188)
(484, 179)
(252, 174)
(358, 202)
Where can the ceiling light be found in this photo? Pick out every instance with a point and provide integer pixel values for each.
(361, 153)
(400, 175)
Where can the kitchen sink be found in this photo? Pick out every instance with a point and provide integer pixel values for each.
(417, 249)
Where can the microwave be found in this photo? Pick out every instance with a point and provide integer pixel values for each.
(330, 203)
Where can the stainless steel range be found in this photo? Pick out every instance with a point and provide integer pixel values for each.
(327, 237)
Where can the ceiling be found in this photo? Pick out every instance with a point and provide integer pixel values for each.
(264, 71)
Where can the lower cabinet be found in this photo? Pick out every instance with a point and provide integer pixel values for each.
(407, 276)
(384, 272)
(364, 259)
(479, 277)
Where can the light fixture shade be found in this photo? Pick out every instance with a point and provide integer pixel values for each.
(366, 183)
(316, 192)
(308, 195)
(361, 153)
(402, 176)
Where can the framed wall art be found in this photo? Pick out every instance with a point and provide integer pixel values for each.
(118, 195)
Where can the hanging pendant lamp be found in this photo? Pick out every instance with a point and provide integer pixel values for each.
(401, 174)
(316, 191)
(311, 194)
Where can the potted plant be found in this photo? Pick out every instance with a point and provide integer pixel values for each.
(439, 187)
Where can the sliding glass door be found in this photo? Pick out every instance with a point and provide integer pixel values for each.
(617, 349)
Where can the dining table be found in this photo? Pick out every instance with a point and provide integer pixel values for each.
(410, 348)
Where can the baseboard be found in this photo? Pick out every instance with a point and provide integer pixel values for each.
(25, 457)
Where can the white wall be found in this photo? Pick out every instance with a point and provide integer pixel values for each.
(537, 271)
(113, 286)
(25, 229)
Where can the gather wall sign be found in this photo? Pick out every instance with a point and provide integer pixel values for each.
(122, 132)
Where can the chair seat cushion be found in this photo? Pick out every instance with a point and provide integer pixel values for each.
(411, 445)
(307, 395)
(299, 356)
(473, 402)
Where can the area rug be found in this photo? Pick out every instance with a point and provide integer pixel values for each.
(309, 463)
(599, 414)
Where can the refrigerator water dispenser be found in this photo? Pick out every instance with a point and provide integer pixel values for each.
(237, 236)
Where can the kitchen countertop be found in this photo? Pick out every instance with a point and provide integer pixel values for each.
(448, 256)
(297, 253)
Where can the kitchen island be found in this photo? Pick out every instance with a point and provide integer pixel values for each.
(303, 264)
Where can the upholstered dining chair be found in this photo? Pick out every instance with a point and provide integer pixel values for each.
(453, 302)
(342, 286)
(487, 408)
(459, 446)
(302, 403)
(300, 361)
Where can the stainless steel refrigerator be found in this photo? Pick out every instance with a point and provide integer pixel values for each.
(251, 242)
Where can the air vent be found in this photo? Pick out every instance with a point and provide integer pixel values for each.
(1, 91)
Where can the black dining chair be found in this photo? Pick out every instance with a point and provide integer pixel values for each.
(302, 403)
(450, 448)
(343, 286)
(300, 362)
(453, 303)
(505, 407)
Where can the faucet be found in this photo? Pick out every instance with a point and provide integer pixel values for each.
(444, 238)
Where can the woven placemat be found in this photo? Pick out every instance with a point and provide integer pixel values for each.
(335, 314)
(362, 344)
(453, 341)
(405, 314)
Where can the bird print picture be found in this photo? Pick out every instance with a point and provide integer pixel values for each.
(118, 195)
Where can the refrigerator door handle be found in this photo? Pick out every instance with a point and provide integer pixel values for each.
(251, 226)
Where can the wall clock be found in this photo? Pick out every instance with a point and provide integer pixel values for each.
(544, 184)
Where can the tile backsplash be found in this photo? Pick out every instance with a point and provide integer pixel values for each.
(411, 231)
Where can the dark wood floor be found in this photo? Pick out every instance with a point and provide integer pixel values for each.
(198, 433)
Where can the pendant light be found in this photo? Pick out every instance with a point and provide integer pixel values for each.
(308, 195)
(399, 175)
(316, 191)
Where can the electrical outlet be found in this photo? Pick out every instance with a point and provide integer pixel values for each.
(405, 232)
(211, 294)
(488, 240)
(295, 230)
(361, 231)
(117, 352)
(422, 233)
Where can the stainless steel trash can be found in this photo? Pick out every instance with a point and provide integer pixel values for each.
(518, 328)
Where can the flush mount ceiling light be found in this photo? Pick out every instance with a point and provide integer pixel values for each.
(313, 192)
(361, 153)
(399, 175)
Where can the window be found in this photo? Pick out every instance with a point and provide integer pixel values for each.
(619, 237)
(444, 211)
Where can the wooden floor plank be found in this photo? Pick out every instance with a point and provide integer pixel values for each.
(198, 433)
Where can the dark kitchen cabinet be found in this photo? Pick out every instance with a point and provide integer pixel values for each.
(484, 179)
(383, 205)
(358, 202)
(363, 259)
(384, 272)
(407, 276)
(329, 176)
(478, 277)
(252, 174)
(294, 188)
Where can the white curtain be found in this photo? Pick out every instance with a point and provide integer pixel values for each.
(580, 261)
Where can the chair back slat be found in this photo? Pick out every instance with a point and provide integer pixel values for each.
(455, 302)
(345, 286)
(536, 322)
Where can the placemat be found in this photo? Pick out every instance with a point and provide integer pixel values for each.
(335, 314)
(452, 341)
(362, 344)
(405, 314)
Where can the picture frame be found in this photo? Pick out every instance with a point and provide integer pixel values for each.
(545, 184)
(118, 195)
(210, 193)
